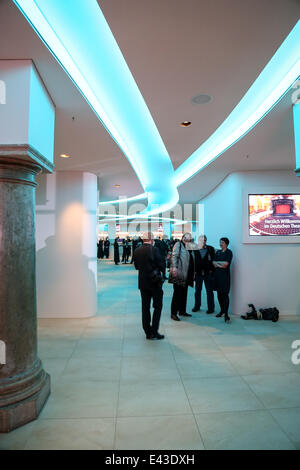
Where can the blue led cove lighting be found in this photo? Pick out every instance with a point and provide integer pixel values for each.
(77, 34)
(275, 80)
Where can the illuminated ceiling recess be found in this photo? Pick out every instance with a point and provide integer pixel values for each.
(271, 85)
(274, 81)
(77, 34)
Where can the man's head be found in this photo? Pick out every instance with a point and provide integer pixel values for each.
(202, 241)
(148, 237)
(187, 237)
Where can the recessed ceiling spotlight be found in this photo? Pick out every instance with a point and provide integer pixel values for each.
(186, 123)
(201, 99)
(117, 185)
(63, 155)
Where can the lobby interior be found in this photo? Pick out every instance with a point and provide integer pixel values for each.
(76, 371)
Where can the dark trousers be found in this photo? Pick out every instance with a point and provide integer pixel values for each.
(179, 299)
(155, 293)
(223, 299)
(210, 293)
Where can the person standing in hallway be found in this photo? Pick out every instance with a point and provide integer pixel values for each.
(100, 252)
(182, 273)
(222, 262)
(128, 249)
(116, 251)
(148, 262)
(106, 247)
(204, 269)
(124, 246)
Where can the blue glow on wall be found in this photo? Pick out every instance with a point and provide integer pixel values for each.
(296, 113)
(274, 81)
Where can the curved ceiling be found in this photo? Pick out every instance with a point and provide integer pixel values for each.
(174, 50)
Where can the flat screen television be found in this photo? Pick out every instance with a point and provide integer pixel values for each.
(274, 215)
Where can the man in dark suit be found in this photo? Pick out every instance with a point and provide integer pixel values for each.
(148, 261)
(203, 273)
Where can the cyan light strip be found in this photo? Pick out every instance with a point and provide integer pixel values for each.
(78, 35)
(271, 85)
(274, 81)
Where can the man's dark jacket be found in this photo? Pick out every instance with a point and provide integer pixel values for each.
(204, 264)
(146, 259)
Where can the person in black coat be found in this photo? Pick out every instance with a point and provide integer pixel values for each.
(100, 252)
(147, 260)
(204, 269)
(106, 247)
(222, 262)
(116, 251)
(128, 250)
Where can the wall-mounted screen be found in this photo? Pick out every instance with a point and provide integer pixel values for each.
(274, 215)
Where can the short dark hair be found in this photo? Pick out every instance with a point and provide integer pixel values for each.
(225, 239)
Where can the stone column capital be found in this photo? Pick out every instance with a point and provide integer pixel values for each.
(24, 153)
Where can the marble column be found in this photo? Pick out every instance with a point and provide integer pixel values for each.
(24, 385)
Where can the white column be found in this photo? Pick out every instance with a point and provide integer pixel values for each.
(66, 232)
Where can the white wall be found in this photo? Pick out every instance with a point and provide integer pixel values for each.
(267, 275)
(66, 242)
(28, 115)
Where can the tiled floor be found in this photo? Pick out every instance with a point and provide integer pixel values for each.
(208, 385)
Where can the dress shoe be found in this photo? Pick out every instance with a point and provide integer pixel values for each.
(195, 309)
(149, 336)
(174, 317)
(227, 319)
(220, 315)
(158, 336)
(210, 311)
(185, 314)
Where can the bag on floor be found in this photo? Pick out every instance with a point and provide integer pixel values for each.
(271, 314)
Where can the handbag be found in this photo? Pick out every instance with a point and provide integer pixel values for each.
(177, 278)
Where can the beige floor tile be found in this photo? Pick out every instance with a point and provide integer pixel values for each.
(283, 341)
(205, 365)
(250, 430)
(276, 391)
(187, 348)
(285, 355)
(220, 394)
(140, 346)
(237, 343)
(152, 398)
(72, 434)
(289, 421)
(55, 367)
(56, 348)
(103, 332)
(158, 433)
(87, 399)
(104, 347)
(258, 363)
(93, 369)
(17, 439)
(154, 367)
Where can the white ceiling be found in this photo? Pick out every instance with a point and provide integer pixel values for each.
(175, 50)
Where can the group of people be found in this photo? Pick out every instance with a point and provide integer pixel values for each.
(128, 245)
(189, 264)
(103, 248)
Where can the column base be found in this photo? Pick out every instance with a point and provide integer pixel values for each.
(25, 405)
